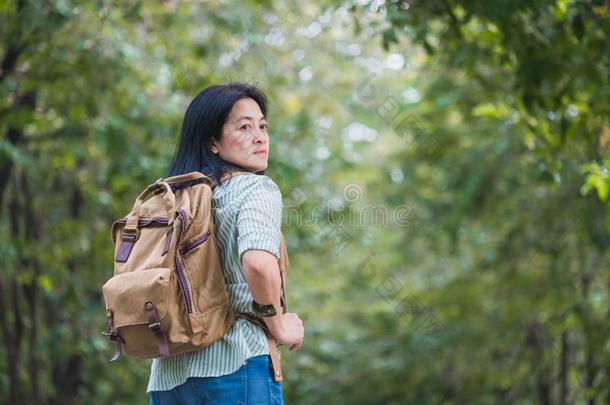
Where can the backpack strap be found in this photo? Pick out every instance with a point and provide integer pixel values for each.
(271, 342)
(228, 175)
(112, 334)
(284, 262)
(155, 327)
(187, 180)
(187, 177)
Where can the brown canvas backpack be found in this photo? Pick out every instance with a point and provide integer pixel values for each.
(168, 293)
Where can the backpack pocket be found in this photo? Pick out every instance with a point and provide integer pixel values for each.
(126, 295)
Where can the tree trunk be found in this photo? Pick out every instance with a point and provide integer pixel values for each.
(16, 328)
(563, 373)
(32, 233)
(585, 281)
(68, 375)
(537, 339)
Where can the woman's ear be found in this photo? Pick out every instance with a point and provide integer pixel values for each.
(213, 146)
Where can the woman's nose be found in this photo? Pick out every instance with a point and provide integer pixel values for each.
(259, 135)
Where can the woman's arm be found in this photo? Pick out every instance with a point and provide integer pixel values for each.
(263, 275)
(259, 243)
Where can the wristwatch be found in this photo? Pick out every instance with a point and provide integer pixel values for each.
(263, 310)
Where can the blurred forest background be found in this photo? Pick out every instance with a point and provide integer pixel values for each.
(444, 166)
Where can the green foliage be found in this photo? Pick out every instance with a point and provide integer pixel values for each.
(444, 166)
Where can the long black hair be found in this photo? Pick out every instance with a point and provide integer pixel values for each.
(203, 121)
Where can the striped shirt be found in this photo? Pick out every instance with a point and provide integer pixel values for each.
(248, 215)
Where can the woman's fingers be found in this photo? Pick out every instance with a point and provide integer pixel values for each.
(300, 342)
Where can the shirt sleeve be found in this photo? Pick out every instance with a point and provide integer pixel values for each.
(259, 218)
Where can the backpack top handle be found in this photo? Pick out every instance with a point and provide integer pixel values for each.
(169, 198)
(191, 176)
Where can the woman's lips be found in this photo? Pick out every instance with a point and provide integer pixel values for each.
(260, 152)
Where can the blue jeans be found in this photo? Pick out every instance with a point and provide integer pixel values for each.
(251, 384)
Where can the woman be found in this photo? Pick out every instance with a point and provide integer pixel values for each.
(225, 130)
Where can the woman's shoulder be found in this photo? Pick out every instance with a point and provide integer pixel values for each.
(250, 187)
(251, 182)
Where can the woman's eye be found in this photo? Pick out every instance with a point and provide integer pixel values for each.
(264, 126)
(246, 126)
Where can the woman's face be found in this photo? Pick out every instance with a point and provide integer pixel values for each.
(244, 139)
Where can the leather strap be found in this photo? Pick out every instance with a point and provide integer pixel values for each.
(155, 327)
(228, 175)
(283, 297)
(112, 334)
(275, 358)
(283, 263)
(271, 342)
(124, 250)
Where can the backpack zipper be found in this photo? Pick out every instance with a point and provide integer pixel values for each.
(194, 243)
(182, 280)
(181, 276)
(184, 285)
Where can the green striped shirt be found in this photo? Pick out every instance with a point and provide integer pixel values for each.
(248, 215)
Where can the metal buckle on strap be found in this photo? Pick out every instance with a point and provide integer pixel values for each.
(155, 327)
(128, 234)
(113, 335)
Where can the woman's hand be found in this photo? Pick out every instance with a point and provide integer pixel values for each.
(292, 331)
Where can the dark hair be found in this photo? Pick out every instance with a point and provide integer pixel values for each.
(203, 122)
